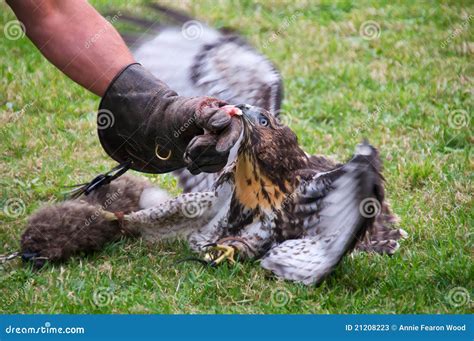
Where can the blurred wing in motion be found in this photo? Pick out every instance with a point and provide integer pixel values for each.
(334, 220)
(197, 60)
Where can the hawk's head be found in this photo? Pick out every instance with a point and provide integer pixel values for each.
(267, 157)
(270, 143)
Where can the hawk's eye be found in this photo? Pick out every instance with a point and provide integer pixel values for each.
(263, 121)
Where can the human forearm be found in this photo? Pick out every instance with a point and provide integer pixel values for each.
(140, 119)
(75, 38)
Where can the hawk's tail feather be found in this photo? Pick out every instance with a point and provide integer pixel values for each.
(388, 246)
(383, 229)
(344, 219)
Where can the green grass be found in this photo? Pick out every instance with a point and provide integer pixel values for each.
(400, 90)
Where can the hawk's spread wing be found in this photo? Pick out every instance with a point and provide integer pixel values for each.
(332, 208)
(197, 60)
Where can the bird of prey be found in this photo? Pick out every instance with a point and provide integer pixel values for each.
(299, 214)
(222, 64)
(271, 202)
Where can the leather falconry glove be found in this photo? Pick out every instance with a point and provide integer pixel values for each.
(141, 119)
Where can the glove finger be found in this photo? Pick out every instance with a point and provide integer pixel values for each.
(207, 107)
(218, 121)
(198, 146)
(209, 102)
(201, 155)
(207, 168)
(209, 161)
(229, 136)
(222, 117)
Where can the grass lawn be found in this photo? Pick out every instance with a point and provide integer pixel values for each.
(409, 90)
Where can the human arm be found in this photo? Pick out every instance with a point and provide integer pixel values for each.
(76, 39)
(146, 118)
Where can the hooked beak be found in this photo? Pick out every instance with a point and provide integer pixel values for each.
(249, 112)
(232, 110)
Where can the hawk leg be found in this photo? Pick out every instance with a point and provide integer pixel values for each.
(217, 253)
(226, 248)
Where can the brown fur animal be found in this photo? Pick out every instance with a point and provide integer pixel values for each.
(55, 233)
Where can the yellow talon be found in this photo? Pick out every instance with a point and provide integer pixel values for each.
(110, 216)
(225, 252)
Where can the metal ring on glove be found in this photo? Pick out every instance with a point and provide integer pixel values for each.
(161, 157)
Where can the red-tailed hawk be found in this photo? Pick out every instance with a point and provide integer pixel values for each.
(298, 214)
(271, 202)
(221, 63)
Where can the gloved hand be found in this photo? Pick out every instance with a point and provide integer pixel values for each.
(141, 119)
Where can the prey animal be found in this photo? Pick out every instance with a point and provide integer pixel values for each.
(271, 202)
